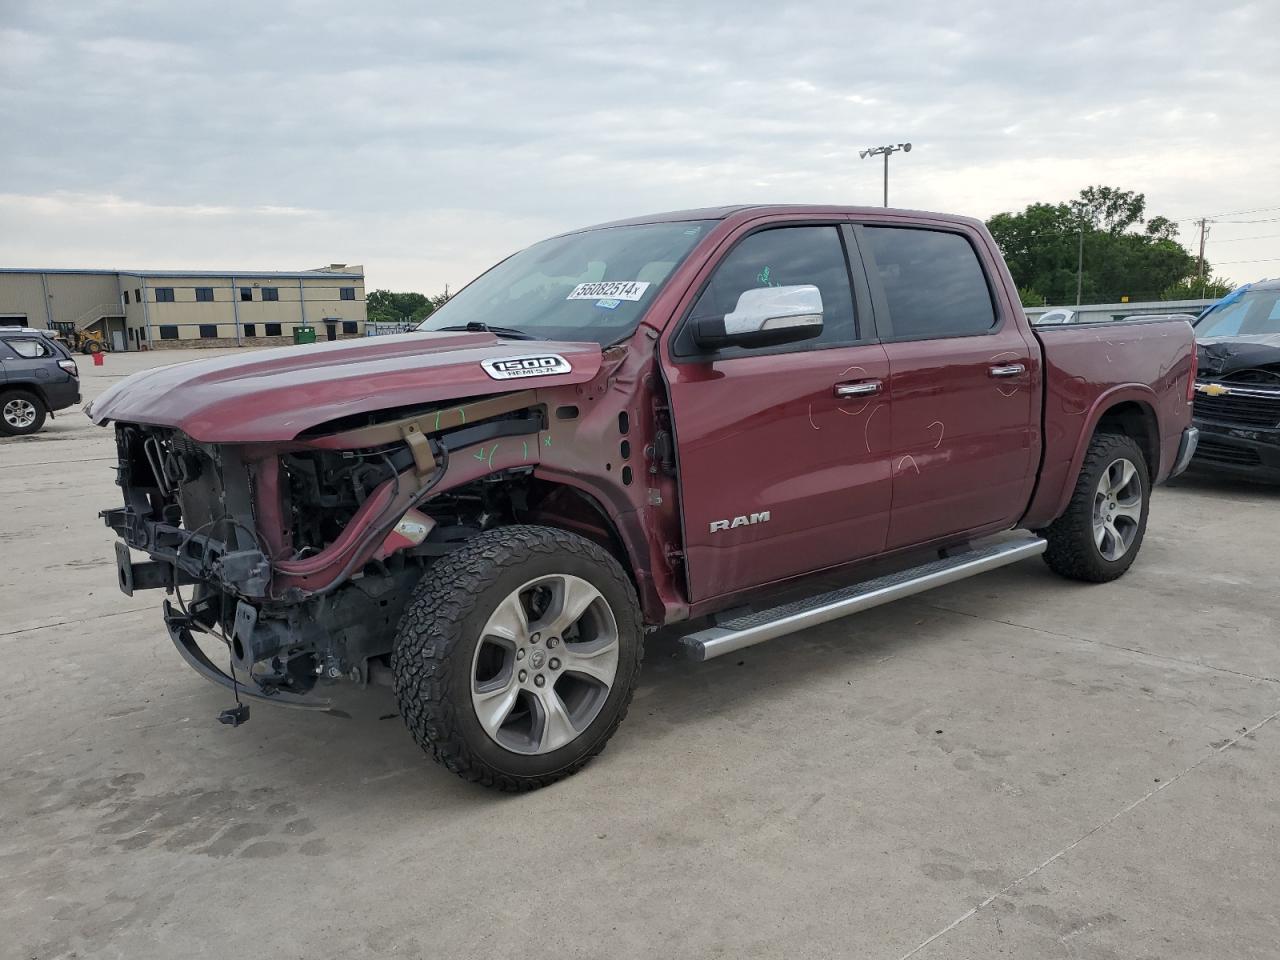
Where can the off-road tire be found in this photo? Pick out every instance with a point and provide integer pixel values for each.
(1073, 551)
(7, 429)
(440, 628)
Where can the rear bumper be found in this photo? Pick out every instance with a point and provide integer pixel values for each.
(59, 396)
(1252, 452)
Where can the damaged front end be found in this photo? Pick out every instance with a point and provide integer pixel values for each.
(297, 558)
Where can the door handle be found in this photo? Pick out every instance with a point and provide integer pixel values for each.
(1008, 370)
(862, 388)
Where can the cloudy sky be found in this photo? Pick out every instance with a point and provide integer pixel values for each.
(426, 140)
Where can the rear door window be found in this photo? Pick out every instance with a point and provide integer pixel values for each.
(933, 283)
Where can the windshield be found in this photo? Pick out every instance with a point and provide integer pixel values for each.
(1242, 314)
(591, 286)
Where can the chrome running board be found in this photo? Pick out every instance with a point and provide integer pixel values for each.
(748, 629)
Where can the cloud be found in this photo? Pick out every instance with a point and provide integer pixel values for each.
(428, 142)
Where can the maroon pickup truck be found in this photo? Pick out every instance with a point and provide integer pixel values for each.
(671, 420)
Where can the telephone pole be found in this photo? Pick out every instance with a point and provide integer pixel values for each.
(1079, 263)
(1204, 230)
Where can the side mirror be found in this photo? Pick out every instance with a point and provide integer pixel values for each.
(764, 317)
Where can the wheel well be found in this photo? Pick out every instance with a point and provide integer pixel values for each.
(1137, 421)
(28, 388)
(518, 499)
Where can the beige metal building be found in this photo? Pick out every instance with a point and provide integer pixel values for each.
(155, 309)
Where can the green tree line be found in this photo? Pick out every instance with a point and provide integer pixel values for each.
(385, 306)
(1125, 252)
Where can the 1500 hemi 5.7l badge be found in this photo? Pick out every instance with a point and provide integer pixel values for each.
(518, 368)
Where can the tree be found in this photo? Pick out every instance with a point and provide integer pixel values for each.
(1193, 288)
(1043, 243)
(384, 306)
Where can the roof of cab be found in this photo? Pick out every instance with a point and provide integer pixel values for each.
(751, 210)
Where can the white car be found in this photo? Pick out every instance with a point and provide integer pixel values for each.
(1054, 317)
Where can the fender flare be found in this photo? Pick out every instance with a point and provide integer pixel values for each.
(1138, 393)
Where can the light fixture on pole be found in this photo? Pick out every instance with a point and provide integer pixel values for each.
(885, 151)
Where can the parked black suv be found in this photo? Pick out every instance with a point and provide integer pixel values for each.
(37, 376)
(1237, 401)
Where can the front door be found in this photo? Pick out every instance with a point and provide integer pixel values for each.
(783, 451)
(331, 331)
(961, 378)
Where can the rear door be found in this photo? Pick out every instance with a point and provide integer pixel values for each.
(961, 378)
(783, 451)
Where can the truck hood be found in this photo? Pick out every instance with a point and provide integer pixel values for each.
(274, 395)
(1219, 356)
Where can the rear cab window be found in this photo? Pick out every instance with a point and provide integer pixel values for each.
(934, 284)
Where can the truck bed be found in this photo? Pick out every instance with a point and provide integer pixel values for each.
(1147, 365)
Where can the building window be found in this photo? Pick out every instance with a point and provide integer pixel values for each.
(168, 332)
(246, 293)
(349, 327)
(273, 329)
(250, 329)
(137, 296)
(133, 334)
(208, 331)
(204, 294)
(126, 298)
(164, 294)
(270, 293)
(348, 293)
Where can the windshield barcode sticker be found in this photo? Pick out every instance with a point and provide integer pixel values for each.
(612, 289)
(517, 368)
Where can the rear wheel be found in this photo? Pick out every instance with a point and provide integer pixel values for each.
(516, 658)
(92, 346)
(1100, 533)
(20, 412)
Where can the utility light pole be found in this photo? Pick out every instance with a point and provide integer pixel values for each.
(885, 151)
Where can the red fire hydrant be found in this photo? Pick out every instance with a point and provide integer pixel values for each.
(97, 359)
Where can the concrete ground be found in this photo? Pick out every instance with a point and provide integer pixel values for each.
(1013, 766)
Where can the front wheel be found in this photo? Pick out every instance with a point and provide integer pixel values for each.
(516, 658)
(1099, 535)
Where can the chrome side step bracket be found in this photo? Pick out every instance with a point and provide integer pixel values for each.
(749, 629)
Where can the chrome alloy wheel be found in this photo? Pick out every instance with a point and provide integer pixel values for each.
(544, 666)
(1117, 509)
(19, 413)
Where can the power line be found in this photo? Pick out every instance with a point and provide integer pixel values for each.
(1241, 213)
(1261, 236)
(1227, 263)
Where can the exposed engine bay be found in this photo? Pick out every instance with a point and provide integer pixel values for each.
(247, 542)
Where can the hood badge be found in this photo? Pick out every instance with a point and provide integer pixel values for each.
(521, 368)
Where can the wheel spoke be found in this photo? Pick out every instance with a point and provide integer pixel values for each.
(509, 620)
(598, 660)
(493, 706)
(1130, 510)
(1122, 473)
(557, 727)
(1100, 534)
(573, 597)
